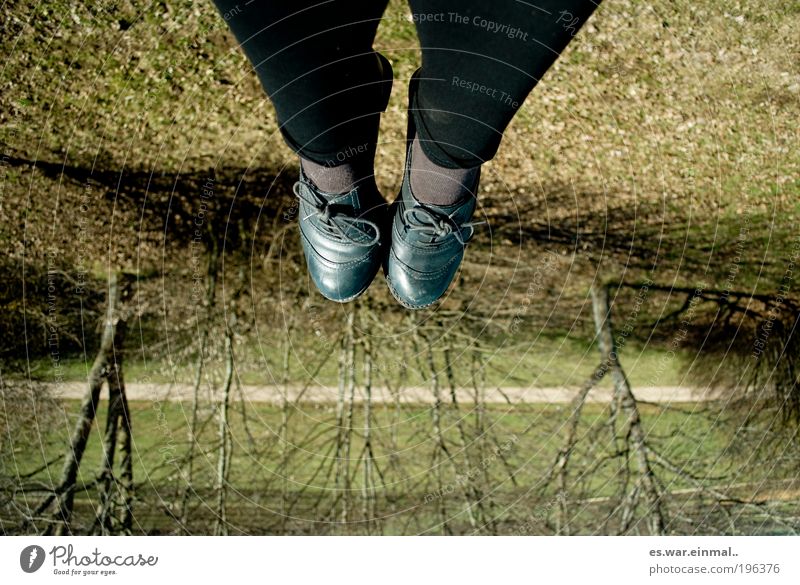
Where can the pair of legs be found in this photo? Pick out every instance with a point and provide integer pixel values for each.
(480, 60)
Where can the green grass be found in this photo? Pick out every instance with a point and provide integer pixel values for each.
(529, 437)
(543, 363)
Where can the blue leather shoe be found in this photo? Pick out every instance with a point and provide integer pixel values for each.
(341, 237)
(341, 233)
(427, 245)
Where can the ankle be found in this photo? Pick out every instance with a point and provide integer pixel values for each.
(437, 185)
(340, 178)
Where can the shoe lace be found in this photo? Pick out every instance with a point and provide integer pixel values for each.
(438, 225)
(337, 224)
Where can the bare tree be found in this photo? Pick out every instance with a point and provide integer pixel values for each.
(477, 499)
(107, 366)
(118, 425)
(344, 416)
(225, 441)
(633, 433)
(560, 468)
(205, 326)
(368, 494)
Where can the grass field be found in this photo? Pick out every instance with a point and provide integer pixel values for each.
(269, 496)
(545, 363)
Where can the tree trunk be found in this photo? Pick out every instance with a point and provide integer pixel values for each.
(344, 418)
(284, 432)
(110, 345)
(211, 289)
(623, 396)
(126, 472)
(561, 467)
(472, 487)
(117, 419)
(224, 436)
(368, 489)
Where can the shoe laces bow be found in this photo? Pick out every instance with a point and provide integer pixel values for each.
(337, 224)
(438, 225)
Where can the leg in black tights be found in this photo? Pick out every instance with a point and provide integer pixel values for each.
(314, 59)
(479, 62)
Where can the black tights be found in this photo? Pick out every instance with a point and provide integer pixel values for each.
(479, 61)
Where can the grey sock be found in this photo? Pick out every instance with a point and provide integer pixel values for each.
(437, 185)
(337, 179)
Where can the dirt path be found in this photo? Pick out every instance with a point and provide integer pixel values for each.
(322, 394)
